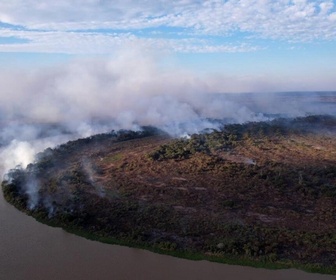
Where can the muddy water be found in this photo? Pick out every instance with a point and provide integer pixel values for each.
(32, 251)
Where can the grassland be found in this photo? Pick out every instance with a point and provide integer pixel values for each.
(261, 194)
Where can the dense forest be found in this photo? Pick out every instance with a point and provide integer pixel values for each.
(259, 193)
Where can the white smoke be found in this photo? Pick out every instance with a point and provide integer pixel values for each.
(90, 174)
(17, 153)
(32, 187)
(45, 107)
(128, 90)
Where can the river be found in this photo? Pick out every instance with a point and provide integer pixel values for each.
(32, 251)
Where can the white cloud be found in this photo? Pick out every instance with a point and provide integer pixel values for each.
(56, 21)
(107, 43)
(65, 42)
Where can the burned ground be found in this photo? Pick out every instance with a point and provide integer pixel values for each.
(261, 191)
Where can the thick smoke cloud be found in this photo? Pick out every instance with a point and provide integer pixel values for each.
(125, 92)
(45, 107)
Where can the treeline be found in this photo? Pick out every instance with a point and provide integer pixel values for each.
(230, 135)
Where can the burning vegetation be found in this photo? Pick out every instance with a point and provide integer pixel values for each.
(260, 192)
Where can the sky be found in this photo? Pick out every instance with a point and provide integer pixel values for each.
(232, 45)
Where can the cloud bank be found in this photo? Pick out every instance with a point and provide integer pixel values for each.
(74, 26)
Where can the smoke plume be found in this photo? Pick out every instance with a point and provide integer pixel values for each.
(45, 107)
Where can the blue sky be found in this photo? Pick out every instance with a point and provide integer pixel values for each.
(250, 45)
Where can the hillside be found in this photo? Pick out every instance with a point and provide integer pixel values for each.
(256, 193)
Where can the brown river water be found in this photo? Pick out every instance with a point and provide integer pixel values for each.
(33, 251)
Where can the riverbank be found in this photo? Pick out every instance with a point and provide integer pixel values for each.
(189, 255)
(44, 252)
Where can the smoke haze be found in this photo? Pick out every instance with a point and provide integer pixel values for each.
(45, 107)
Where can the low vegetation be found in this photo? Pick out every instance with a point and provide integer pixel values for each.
(261, 194)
